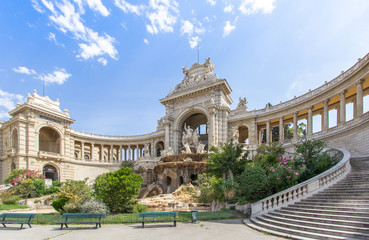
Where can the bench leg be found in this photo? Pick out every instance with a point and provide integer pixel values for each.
(175, 223)
(61, 226)
(143, 224)
(4, 225)
(29, 225)
(21, 226)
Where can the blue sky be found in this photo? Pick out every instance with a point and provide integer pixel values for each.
(110, 61)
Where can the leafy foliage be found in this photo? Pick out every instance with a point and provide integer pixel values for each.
(228, 162)
(76, 193)
(253, 184)
(210, 188)
(118, 189)
(284, 175)
(310, 154)
(267, 155)
(17, 176)
(94, 206)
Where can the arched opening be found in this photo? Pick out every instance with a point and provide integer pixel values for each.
(49, 140)
(169, 181)
(194, 130)
(86, 157)
(13, 167)
(243, 134)
(181, 181)
(194, 179)
(15, 139)
(50, 172)
(159, 147)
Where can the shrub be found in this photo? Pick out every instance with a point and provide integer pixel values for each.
(94, 206)
(59, 203)
(253, 184)
(40, 188)
(1, 201)
(25, 189)
(284, 175)
(309, 153)
(118, 189)
(140, 208)
(209, 187)
(54, 187)
(76, 192)
(268, 155)
(17, 176)
(11, 199)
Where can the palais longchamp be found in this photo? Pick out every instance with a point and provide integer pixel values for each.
(40, 136)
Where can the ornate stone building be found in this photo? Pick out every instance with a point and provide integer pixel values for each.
(39, 135)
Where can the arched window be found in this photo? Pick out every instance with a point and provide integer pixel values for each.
(49, 140)
(75, 155)
(86, 157)
(15, 139)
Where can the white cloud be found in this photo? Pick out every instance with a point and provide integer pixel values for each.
(212, 2)
(249, 7)
(37, 6)
(228, 28)
(228, 8)
(187, 27)
(24, 70)
(146, 41)
(52, 38)
(162, 15)
(129, 8)
(103, 61)
(8, 101)
(97, 6)
(194, 41)
(59, 76)
(67, 18)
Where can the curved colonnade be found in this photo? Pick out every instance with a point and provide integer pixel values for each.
(39, 133)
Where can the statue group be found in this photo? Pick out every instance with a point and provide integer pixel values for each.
(190, 140)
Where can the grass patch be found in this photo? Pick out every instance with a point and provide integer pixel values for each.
(12, 206)
(129, 218)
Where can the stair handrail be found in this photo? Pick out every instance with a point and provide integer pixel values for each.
(306, 188)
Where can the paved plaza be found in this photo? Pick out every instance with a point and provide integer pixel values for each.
(227, 229)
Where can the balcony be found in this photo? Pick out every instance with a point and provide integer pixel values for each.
(49, 155)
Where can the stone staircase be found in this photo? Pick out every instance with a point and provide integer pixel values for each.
(339, 212)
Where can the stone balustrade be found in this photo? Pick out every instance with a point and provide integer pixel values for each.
(304, 189)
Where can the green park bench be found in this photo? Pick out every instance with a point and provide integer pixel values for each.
(82, 218)
(158, 217)
(17, 218)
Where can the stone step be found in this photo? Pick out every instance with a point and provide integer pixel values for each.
(333, 208)
(342, 195)
(320, 230)
(323, 219)
(333, 204)
(363, 218)
(287, 232)
(326, 211)
(350, 201)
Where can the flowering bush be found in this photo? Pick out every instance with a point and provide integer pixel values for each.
(17, 176)
(284, 174)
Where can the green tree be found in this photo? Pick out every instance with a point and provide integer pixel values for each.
(253, 184)
(268, 154)
(227, 161)
(118, 189)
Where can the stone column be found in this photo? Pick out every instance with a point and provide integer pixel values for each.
(111, 153)
(212, 128)
(120, 153)
(83, 150)
(92, 151)
(101, 153)
(295, 136)
(343, 107)
(359, 98)
(268, 131)
(325, 115)
(310, 121)
(260, 136)
(281, 130)
(129, 152)
(167, 132)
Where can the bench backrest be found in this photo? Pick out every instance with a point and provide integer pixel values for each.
(17, 215)
(83, 215)
(157, 214)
